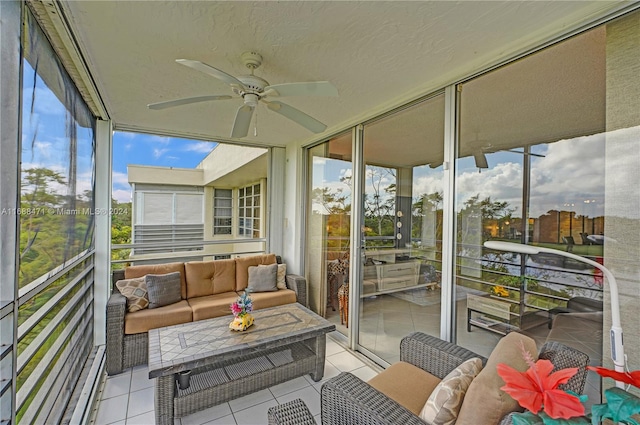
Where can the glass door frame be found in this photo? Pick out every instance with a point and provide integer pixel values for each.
(447, 322)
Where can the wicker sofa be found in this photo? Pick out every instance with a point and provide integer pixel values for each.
(207, 290)
(345, 399)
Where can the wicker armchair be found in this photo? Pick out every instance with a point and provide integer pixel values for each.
(346, 399)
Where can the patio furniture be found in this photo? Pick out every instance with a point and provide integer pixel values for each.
(570, 242)
(577, 305)
(294, 412)
(348, 400)
(207, 290)
(285, 342)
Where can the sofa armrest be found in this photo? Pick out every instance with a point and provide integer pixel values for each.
(298, 284)
(434, 355)
(346, 399)
(116, 309)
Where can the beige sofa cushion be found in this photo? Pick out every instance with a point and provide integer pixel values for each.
(210, 277)
(243, 264)
(407, 384)
(212, 305)
(485, 403)
(272, 299)
(145, 269)
(144, 320)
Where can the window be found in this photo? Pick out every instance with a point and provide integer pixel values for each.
(168, 214)
(222, 210)
(249, 211)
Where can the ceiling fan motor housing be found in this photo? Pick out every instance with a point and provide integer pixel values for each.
(250, 99)
(254, 86)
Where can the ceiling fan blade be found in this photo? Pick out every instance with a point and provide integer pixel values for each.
(313, 88)
(298, 116)
(242, 122)
(214, 72)
(185, 101)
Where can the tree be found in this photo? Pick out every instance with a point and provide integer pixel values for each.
(380, 205)
(121, 225)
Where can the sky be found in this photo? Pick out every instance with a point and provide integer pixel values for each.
(145, 149)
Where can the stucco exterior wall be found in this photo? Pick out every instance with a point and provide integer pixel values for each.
(623, 181)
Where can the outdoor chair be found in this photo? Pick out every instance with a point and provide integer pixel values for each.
(569, 241)
(345, 399)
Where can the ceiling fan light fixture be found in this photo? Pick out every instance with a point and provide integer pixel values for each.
(251, 99)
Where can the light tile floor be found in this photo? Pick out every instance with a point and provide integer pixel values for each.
(127, 398)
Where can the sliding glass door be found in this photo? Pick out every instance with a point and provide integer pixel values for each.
(328, 225)
(401, 236)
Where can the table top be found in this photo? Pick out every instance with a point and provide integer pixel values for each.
(195, 344)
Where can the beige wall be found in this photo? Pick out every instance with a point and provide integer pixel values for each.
(164, 175)
(227, 158)
(623, 182)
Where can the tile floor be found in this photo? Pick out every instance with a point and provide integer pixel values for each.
(127, 398)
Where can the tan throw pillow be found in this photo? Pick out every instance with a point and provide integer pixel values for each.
(163, 289)
(263, 279)
(485, 403)
(135, 290)
(445, 401)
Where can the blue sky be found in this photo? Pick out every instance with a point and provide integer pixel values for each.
(146, 149)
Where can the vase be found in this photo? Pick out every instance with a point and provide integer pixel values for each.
(241, 322)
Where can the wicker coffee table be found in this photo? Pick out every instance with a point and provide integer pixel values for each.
(285, 342)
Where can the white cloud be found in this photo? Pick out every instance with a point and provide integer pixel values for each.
(120, 179)
(200, 147)
(157, 153)
(163, 140)
(122, 195)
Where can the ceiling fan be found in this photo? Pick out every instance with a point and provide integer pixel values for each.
(254, 89)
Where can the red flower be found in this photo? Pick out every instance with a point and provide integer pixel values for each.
(537, 389)
(632, 378)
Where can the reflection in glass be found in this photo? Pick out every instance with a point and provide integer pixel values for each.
(400, 287)
(328, 226)
(531, 169)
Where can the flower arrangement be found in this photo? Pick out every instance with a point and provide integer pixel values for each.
(242, 305)
(499, 291)
(241, 310)
(537, 390)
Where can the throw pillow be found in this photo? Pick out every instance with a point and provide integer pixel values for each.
(163, 289)
(135, 290)
(281, 276)
(263, 279)
(485, 388)
(445, 401)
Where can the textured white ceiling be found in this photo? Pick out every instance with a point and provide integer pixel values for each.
(375, 53)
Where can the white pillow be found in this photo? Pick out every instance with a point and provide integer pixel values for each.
(280, 277)
(445, 400)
